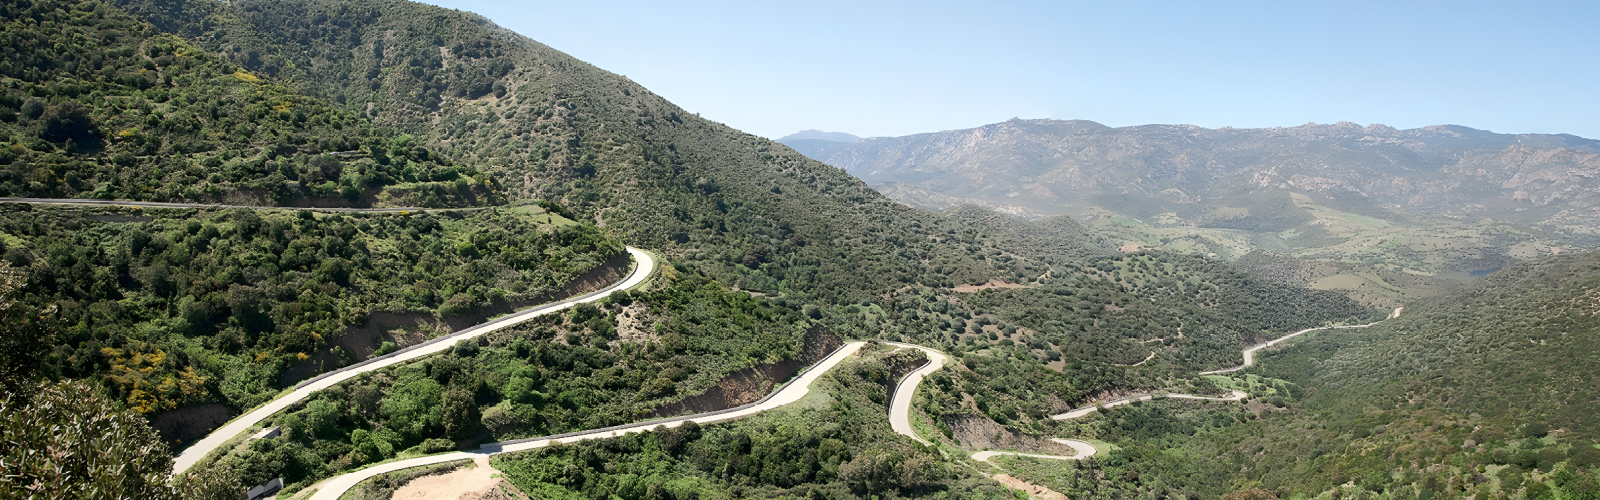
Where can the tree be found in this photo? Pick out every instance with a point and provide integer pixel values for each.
(71, 440)
(68, 120)
(23, 335)
(460, 414)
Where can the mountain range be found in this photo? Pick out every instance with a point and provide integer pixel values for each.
(132, 331)
(1060, 167)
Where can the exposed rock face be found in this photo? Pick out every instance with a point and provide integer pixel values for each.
(1052, 166)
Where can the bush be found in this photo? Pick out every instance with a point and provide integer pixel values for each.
(76, 442)
(1534, 430)
(436, 445)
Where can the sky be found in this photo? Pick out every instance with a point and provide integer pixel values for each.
(900, 68)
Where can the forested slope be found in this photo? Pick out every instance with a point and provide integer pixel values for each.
(763, 247)
(1490, 391)
(97, 104)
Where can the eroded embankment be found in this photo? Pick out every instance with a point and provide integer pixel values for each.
(750, 384)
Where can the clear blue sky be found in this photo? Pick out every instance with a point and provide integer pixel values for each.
(897, 68)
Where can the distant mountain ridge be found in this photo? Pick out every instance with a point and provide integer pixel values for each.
(816, 143)
(818, 135)
(1056, 166)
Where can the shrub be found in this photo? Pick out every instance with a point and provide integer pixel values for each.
(73, 441)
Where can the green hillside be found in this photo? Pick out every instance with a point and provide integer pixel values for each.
(198, 313)
(1490, 391)
(97, 104)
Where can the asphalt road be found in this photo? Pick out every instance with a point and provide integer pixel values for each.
(189, 456)
(900, 401)
(900, 410)
(335, 487)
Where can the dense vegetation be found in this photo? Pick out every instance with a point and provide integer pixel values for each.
(835, 443)
(170, 308)
(590, 367)
(175, 308)
(1487, 392)
(97, 104)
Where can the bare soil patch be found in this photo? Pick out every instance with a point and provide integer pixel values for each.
(1033, 490)
(978, 432)
(462, 484)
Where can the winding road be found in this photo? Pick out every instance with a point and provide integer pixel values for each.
(899, 403)
(642, 269)
(335, 487)
(899, 416)
(1250, 352)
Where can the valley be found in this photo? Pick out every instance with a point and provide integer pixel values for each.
(375, 249)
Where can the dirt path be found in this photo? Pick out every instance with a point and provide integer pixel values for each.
(1033, 490)
(1250, 353)
(1080, 412)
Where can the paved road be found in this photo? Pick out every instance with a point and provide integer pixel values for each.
(900, 401)
(900, 410)
(333, 488)
(158, 204)
(642, 270)
(1250, 353)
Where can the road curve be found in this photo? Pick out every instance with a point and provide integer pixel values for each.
(1080, 412)
(1250, 352)
(900, 409)
(189, 456)
(1085, 450)
(900, 400)
(335, 487)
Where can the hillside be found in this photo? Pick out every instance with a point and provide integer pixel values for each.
(1357, 207)
(763, 252)
(123, 111)
(1490, 391)
(1448, 170)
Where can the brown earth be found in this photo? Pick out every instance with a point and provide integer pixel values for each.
(1033, 490)
(991, 284)
(474, 483)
